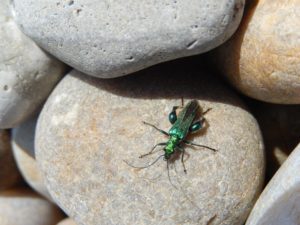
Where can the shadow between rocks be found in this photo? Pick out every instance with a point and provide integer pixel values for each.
(24, 136)
(185, 78)
(280, 126)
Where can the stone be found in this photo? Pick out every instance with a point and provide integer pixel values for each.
(24, 207)
(262, 59)
(89, 126)
(279, 203)
(9, 174)
(280, 126)
(67, 221)
(114, 38)
(24, 154)
(27, 73)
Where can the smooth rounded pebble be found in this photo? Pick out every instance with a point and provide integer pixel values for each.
(280, 125)
(262, 59)
(9, 174)
(279, 204)
(114, 38)
(24, 153)
(67, 221)
(24, 207)
(89, 126)
(27, 74)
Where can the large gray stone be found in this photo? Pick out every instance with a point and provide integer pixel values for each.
(113, 38)
(88, 127)
(279, 204)
(27, 74)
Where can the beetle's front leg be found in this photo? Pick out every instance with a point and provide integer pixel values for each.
(156, 128)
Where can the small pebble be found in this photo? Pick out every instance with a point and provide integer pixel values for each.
(24, 207)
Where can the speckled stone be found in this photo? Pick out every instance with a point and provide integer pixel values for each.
(113, 38)
(279, 204)
(24, 207)
(27, 74)
(24, 154)
(280, 125)
(9, 174)
(67, 221)
(88, 127)
(262, 60)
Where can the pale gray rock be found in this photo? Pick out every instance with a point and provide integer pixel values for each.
(24, 154)
(24, 207)
(89, 126)
(27, 74)
(279, 204)
(9, 174)
(113, 38)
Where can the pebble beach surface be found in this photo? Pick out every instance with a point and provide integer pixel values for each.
(78, 78)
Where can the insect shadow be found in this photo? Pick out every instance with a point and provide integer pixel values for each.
(183, 124)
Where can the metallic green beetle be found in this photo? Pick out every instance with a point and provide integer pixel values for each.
(182, 125)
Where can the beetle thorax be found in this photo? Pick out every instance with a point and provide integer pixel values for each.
(171, 145)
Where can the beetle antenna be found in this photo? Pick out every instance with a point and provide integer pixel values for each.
(169, 176)
(144, 167)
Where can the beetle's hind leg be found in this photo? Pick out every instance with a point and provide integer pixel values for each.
(198, 145)
(182, 157)
(151, 152)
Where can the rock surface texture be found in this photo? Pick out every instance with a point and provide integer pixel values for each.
(24, 153)
(88, 127)
(262, 59)
(9, 174)
(24, 207)
(279, 204)
(27, 74)
(114, 38)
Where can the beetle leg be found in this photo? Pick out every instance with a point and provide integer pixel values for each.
(155, 127)
(206, 111)
(151, 152)
(198, 145)
(182, 156)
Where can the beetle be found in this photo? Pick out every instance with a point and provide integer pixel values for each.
(182, 125)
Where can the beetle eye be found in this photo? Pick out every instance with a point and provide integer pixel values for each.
(172, 117)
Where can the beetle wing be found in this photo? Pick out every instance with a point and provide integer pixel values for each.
(185, 119)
